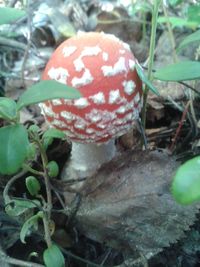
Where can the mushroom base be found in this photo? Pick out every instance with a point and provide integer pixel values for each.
(87, 158)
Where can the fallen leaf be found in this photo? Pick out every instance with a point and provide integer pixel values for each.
(128, 205)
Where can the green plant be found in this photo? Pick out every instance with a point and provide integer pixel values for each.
(151, 56)
(19, 146)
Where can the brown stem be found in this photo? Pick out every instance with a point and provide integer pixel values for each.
(180, 126)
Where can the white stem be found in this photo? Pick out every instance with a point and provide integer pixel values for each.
(87, 158)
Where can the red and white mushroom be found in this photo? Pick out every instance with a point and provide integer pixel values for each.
(102, 68)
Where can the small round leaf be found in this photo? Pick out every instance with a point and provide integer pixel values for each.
(53, 257)
(53, 169)
(33, 185)
(54, 133)
(47, 142)
(31, 151)
(34, 128)
(186, 182)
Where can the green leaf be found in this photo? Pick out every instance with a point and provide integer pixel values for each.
(50, 134)
(53, 257)
(8, 14)
(178, 22)
(46, 90)
(182, 71)
(145, 79)
(53, 169)
(13, 149)
(194, 37)
(33, 185)
(31, 151)
(194, 13)
(8, 108)
(47, 142)
(54, 133)
(186, 182)
(34, 128)
(17, 207)
(31, 223)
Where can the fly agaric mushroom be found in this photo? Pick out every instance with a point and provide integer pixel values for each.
(102, 68)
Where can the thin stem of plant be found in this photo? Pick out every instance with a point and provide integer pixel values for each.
(48, 208)
(26, 53)
(6, 197)
(144, 29)
(46, 176)
(30, 169)
(171, 34)
(151, 57)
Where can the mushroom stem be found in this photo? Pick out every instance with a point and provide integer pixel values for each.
(87, 158)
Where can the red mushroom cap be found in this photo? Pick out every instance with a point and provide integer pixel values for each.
(102, 68)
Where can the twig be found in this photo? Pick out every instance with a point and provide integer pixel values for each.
(13, 261)
(190, 87)
(122, 20)
(12, 43)
(69, 254)
(180, 126)
(106, 257)
(75, 207)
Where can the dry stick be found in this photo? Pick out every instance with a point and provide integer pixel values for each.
(180, 126)
(70, 254)
(190, 87)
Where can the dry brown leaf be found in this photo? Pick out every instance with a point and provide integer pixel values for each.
(128, 204)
